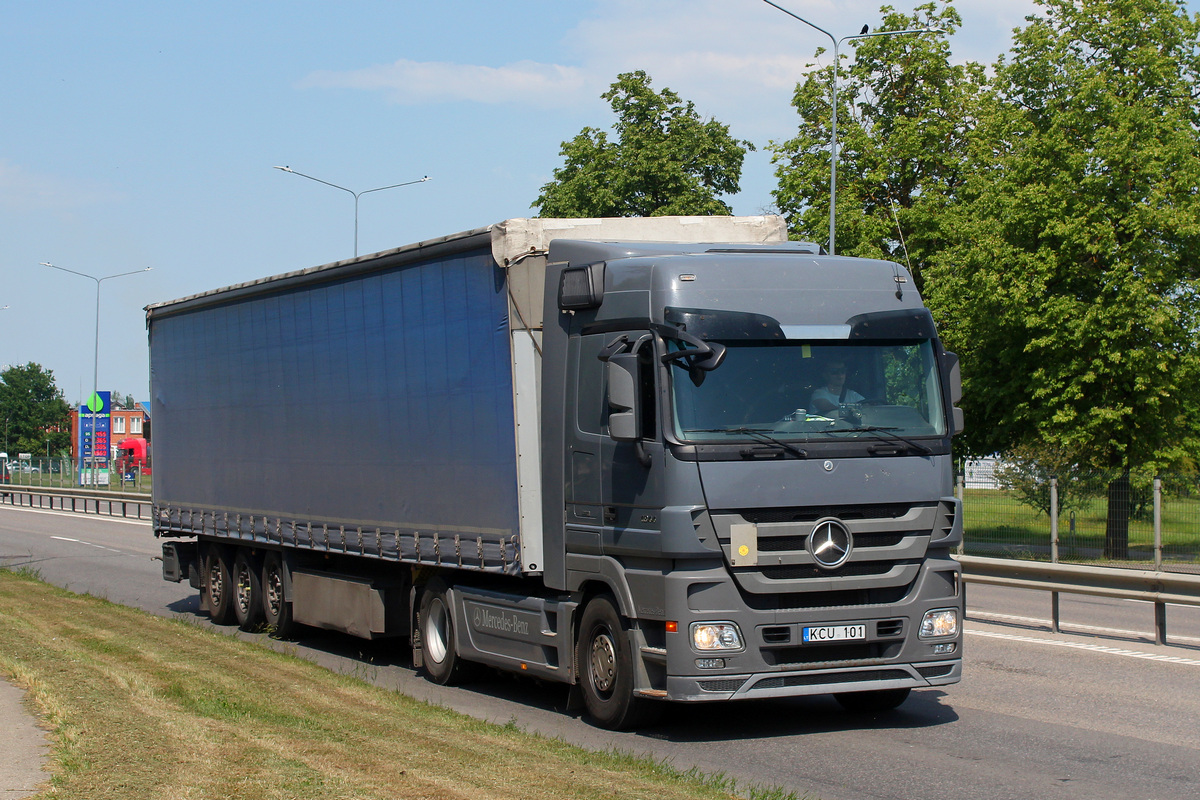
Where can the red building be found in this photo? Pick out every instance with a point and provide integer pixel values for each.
(129, 431)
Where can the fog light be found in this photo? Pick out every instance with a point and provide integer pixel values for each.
(938, 623)
(716, 636)
(945, 648)
(710, 663)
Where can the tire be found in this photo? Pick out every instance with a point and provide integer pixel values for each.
(443, 665)
(247, 597)
(872, 702)
(277, 612)
(218, 587)
(605, 669)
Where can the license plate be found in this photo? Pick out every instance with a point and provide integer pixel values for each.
(834, 633)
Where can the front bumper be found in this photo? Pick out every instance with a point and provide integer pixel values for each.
(796, 683)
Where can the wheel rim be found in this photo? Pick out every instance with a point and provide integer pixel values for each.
(436, 631)
(274, 592)
(242, 590)
(216, 584)
(603, 662)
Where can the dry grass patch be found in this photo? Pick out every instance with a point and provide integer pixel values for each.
(144, 707)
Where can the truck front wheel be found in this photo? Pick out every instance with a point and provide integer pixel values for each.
(605, 666)
(218, 587)
(442, 663)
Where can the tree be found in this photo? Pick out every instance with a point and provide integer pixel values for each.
(1071, 287)
(120, 400)
(35, 413)
(905, 114)
(663, 160)
(1027, 470)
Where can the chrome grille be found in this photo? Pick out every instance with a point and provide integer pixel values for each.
(889, 543)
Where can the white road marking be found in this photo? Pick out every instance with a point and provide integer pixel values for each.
(89, 544)
(1096, 648)
(986, 616)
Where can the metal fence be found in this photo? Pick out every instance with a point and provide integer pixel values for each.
(1110, 519)
(63, 473)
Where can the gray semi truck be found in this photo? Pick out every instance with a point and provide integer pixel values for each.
(673, 459)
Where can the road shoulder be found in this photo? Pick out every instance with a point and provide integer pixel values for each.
(25, 746)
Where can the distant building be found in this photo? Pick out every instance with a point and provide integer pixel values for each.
(126, 423)
(980, 473)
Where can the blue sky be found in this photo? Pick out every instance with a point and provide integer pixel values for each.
(143, 134)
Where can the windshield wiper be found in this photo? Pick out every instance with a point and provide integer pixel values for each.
(758, 434)
(888, 433)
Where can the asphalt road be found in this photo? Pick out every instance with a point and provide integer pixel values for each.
(1096, 712)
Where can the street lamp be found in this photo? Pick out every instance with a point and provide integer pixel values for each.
(92, 401)
(833, 135)
(356, 194)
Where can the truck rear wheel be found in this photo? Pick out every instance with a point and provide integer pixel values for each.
(442, 662)
(872, 702)
(605, 666)
(277, 611)
(218, 586)
(247, 592)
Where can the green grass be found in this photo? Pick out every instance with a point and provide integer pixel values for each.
(145, 707)
(995, 517)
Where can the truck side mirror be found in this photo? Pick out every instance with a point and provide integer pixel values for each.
(954, 379)
(625, 418)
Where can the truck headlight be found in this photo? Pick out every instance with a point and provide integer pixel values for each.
(939, 623)
(708, 636)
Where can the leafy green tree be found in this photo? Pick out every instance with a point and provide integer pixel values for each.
(1071, 286)
(905, 114)
(1027, 470)
(664, 159)
(34, 411)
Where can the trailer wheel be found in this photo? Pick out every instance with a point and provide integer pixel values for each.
(605, 661)
(247, 592)
(872, 702)
(218, 587)
(277, 612)
(442, 662)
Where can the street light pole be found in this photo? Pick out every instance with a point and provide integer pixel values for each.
(833, 129)
(96, 354)
(354, 193)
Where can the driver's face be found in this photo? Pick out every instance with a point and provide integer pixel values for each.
(835, 376)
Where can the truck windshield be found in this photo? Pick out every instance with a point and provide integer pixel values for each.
(811, 390)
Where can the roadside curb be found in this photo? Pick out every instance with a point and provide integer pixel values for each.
(24, 744)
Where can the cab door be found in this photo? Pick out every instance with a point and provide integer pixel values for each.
(614, 495)
(632, 463)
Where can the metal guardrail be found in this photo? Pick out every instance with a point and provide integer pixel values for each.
(1153, 586)
(129, 505)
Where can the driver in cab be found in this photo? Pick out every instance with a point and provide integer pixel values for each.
(833, 392)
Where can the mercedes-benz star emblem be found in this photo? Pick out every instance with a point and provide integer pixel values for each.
(830, 543)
